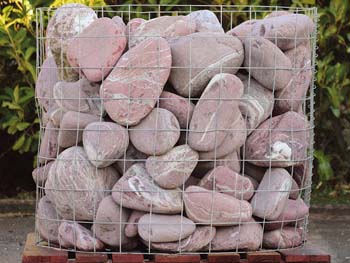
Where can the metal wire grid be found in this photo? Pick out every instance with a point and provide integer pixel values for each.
(226, 15)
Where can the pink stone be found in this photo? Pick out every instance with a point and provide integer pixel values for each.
(72, 126)
(281, 141)
(74, 235)
(254, 182)
(55, 115)
(197, 241)
(213, 208)
(272, 194)
(47, 220)
(76, 187)
(278, 13)
(167, 27)
(120, 23)
(287, 31)
(226, 181)
(131, 156)
(109, 223)
(40, 173)
(247, 236)
(131, 90)
(198, 57)
(293, 95)
(205, 21)
(157, 133)
(192, 180)
(47, 78)
(256, 103)
(294, 211)
(104, 142)
(182, 108)
(215, 112)
(131, 227)
(48, 146)
(164, 228)
(287, 237)
(172, 169)
(97, 48)
(137, 190)
(81, 96)
(254, 171)
(294, 191)
(243, 30)
(132, 25)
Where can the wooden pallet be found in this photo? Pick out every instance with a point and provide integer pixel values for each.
(34, 254)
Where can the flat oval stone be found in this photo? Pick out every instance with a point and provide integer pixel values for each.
(131, 156)
(40, 173)
(120, 23)
(243, 30)
(48, 146)
(67, 22)
(267, 63)
(294, 94)
(246, 236)
(256, 103)
(208, 54)
(272, 194)
(72, 126)
(294, 211)
(131, 227)
(286, 237)
(81, 96)
(157, 133)
(205, 21)
(281, 141)
(167, 27)
(172, 169)
(137, 190)
(109, 223)
(164, 228)
(295, 190)
(47, 220)
(213, 208)
(226, 181)
(104, 142)
(236, 137)
(133, 87)
(74, 235)
(132, 25)
(197, 241)
(71, 172)
(182, 108)
(286, 31)
(215, 112)
(55, 115)
(97, 48)
(47, 78)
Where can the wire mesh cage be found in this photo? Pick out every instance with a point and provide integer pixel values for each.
(174, 128)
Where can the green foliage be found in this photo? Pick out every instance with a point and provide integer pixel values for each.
(17, 74)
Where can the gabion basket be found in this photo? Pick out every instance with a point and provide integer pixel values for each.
(174, 128)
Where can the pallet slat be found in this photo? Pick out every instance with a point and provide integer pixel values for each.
(307, 254)
(90, 258)
(127, 258)
(177, 258)
(266, 257)
(224, 258)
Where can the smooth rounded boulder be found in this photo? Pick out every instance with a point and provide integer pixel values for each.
(74, 235)
(109, 223)
(167, 27)
(287, 237)
(172, 169)
(40, 173)
(97, 48)
(133, 220)
(214, 208)
(215, 112)
(49, 149)
(157, 133)
(137, 190)
(271, 197)
(280, 141)
(132, 25)
(131, 156)
(198, 57)
(133, 87)
(67, 22)
(47, 220)
(181, 107)
(164, 228)
(226, 181)
(246, 236)
(267, 63)
(243, 30)
(75, 186)
(105, 142)
(205, 21)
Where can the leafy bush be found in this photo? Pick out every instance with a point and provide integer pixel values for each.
(17, 77)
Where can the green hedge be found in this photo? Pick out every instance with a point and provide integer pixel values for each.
(20, 125)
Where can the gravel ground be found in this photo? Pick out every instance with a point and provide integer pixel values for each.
(329, 229)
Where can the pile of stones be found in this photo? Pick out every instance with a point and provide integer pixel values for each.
(171, 135)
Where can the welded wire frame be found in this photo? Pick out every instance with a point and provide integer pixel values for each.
(229, 16)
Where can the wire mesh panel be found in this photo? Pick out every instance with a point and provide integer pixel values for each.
(174, 128)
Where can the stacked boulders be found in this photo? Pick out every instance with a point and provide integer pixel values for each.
(170, 133)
